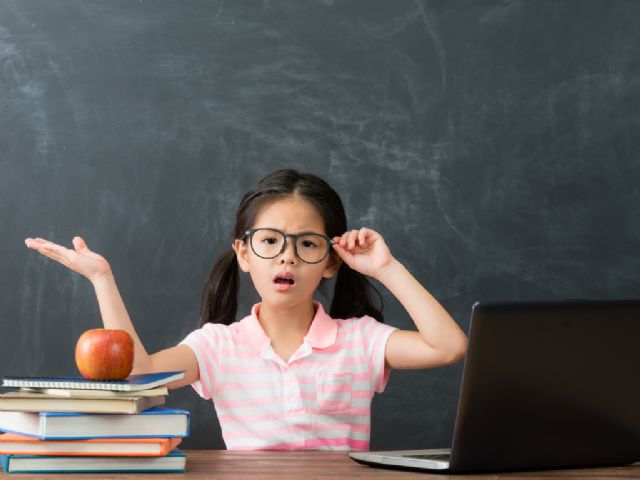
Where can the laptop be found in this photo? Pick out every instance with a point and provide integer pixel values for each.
(544, 385)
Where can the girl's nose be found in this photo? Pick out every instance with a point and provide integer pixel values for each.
(289, 254)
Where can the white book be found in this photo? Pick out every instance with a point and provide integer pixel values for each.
(155, 422)
(66, 392)
(22, 401)
(173, 462)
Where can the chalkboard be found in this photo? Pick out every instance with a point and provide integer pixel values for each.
(493, 143)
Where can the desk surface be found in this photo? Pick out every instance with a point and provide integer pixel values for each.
(221, 464)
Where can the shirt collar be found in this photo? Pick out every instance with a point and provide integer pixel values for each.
(322, 332)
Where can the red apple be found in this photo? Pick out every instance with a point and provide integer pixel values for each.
(104, 354)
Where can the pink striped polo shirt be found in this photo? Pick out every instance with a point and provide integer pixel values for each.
(319, 399)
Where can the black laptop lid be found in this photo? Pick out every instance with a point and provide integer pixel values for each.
(549, 385)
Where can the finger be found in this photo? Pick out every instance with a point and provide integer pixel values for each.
(60, 254)
(362, 236)
(37, 242)
(344, 254)
(343, 239)
(368, 236)
(353, 236)
(54, 251)
(47, 252)
(33, 242)
(80, 245)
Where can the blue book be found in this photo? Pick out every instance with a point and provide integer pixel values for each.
(175, 461)
(155, 422)
(132, 383)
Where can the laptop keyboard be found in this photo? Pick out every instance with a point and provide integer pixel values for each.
(434, 456)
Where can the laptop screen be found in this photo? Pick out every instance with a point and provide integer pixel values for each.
(549, 385)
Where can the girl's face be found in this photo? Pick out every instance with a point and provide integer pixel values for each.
(290, 215)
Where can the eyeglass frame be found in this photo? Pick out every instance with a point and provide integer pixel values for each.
(249, 233)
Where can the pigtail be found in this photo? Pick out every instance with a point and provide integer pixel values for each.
(353, 296)
(220, 294)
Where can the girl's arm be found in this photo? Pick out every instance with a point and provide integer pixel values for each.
(439, 340)
(113, 312)
(115, 316)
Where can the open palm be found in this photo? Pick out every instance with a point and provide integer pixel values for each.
(79, 259)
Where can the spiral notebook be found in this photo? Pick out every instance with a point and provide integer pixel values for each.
(130, 384)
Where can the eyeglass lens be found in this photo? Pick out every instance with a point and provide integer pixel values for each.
(311, 248)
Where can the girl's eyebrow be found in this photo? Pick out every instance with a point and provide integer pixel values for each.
(300, 232)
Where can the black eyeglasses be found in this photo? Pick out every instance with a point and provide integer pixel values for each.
(308, 246)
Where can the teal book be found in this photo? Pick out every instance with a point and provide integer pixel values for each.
(132, 383)
(175, 461)
(156, 422)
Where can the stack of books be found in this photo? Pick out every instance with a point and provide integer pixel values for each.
(69, 424)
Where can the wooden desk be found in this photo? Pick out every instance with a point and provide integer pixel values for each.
(317, 465)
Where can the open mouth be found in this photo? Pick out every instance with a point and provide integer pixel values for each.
(284, 278)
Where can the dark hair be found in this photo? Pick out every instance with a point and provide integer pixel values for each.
(353, 293)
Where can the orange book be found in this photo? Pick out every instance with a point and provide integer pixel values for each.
(11, 443)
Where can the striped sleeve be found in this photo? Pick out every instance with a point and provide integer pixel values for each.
(204, 343)
(375, 336)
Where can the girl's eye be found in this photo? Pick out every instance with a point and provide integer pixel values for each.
(270, 241)
(308, 244)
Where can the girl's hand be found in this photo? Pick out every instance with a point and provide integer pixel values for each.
(364, 251)
(81, 260)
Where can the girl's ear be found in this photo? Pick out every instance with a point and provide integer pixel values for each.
(332, 267)
(242, 254)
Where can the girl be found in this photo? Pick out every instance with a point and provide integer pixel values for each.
(289, 375)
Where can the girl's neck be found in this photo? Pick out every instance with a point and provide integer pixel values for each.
(279, 323)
